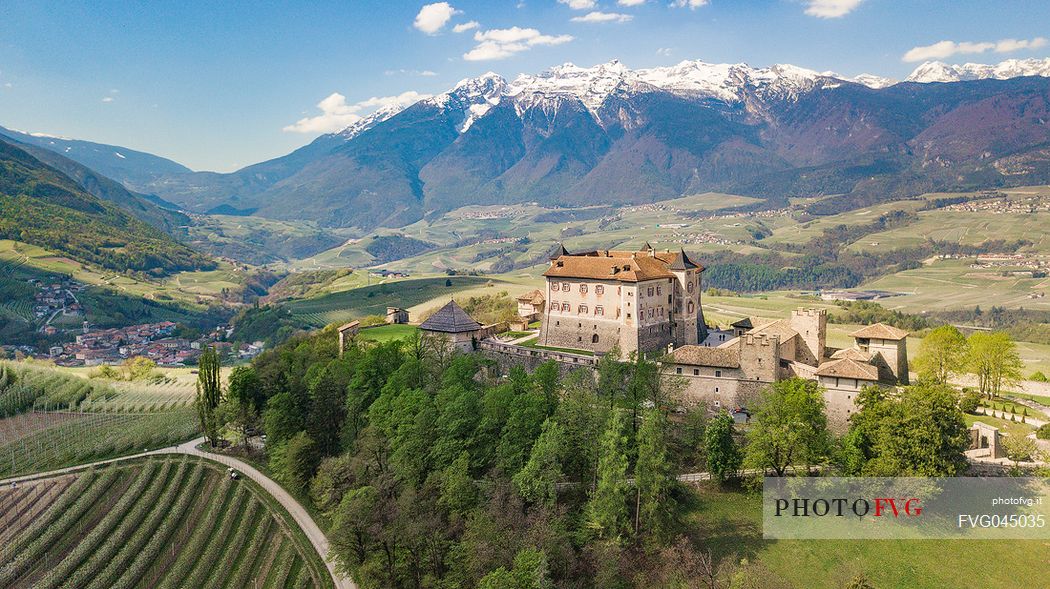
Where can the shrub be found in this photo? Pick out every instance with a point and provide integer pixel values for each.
(1039, 377)
(1043, 433)
(970, 401)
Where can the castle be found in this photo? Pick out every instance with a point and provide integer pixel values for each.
(648, 302)
(730, 368)
(639, 301)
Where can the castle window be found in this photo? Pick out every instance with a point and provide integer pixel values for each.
(716, 389)
(689, 287)
(594, 338)
(566, 307)
(650, 291)
(565, 286)
(583, 309)
(583, 289)
(690, 307)
(659, 291)
(628, 315)
(599, 290)
(678, 370)
(554, 286)
(554, 305)
(718, 374)
(599, 310)
(696, 372)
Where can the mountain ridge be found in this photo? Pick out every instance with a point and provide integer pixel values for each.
(571, 134)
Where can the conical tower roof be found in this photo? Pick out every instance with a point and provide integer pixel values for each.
(682, 262)
(450, 319)
(559, 252)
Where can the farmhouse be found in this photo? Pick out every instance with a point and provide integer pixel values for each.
(638, 301)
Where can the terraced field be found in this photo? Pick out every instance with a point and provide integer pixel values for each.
(50, 440)
(162, 522)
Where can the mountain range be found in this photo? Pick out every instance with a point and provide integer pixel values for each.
(613, 135)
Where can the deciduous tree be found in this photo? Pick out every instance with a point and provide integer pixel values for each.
(789, 427)
(942, 354)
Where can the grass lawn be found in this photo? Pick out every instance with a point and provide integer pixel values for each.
(385, 333)
(730, 522)
(1014, 428)
(533, 343)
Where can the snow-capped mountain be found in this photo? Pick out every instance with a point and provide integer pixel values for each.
(938, 71)
(613, 135)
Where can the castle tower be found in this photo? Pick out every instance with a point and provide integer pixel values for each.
(689, 325)
(759, 356)
(812, 328)
(888, 344)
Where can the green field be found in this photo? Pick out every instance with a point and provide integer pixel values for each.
(730, 524)
(385, 333)
(373, 300)
(158, 522)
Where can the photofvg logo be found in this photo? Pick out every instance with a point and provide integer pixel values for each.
(845, 507)
(905, 508)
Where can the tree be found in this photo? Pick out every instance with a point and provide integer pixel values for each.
(209, 394)
(1038, 376)
(606, 512)
(789, 427)
(547, 378)
(723, 455)
(643, 385)
(282, 419)
(537, 481)
(243, 400)
(297, 460)
(653, 478)
(994, 360)
(941, 354)
(459, 494)
(1020, 448)
(919, 433)
(328, 406)
(530, 572)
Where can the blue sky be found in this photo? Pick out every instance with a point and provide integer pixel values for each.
(219, 85)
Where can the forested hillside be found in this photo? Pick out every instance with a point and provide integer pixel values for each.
(43, 207)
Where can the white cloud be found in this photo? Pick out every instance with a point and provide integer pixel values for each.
(337, 115)
(946, 49)
(664, 51)
(693, 4)
(433, 17)
(630, 2)
(502, 43)
(404, 72)
(462, 27)
(578, 4)
(831, 8)
(598, 16)
(1011, 45)
(107, 99)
